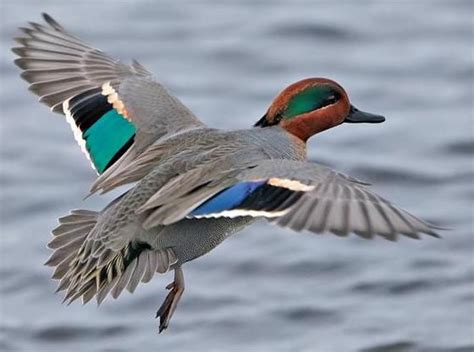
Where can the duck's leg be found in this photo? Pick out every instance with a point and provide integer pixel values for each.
(165, 312)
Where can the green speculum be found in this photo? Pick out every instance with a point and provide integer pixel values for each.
(106, 137)
(309, 99)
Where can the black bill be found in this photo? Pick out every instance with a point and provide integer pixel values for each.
(357, 116)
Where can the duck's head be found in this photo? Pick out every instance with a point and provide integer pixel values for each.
(313, 105)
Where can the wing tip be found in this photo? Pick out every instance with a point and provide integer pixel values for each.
(432, 233)
(51, 21)
(439, 227)
(432, 229)
(19, 51)
(20, 62)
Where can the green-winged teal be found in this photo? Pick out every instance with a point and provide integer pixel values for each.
(195, 185)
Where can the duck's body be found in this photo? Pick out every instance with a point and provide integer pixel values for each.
(194, 185)
(191, 238)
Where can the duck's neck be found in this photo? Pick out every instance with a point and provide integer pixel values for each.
(304, 127)
(279, 144)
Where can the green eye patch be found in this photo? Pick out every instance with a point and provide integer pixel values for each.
(310, 99)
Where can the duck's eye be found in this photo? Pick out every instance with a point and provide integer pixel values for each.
(331, 99)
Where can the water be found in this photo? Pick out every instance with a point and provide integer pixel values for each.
(266, 289)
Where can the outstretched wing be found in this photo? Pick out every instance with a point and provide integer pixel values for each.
(113, 109)
(298, 195)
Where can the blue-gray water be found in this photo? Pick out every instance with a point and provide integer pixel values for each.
(265, 289)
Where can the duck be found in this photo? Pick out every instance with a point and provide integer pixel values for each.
(190, 186)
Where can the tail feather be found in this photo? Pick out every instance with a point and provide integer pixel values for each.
(85, 267)
(74, 217)
(66, 237)
(69, 235)
(105, 289)
(89, 294)
(65, 228)
(63, 267)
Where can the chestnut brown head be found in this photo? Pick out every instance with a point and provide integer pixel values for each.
(311, 106)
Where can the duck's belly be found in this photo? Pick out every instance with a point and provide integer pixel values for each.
(192, 238)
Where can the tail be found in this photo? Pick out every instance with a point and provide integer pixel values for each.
(86, 272)
(68, 240)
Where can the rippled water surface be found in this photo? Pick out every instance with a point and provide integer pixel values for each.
(265, 289)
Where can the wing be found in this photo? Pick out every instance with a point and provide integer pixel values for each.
(114, 110)
(298, 195)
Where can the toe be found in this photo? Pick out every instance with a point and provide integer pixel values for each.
(163, 326)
